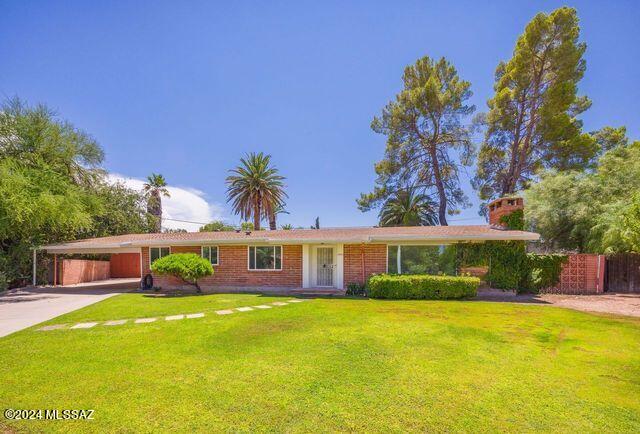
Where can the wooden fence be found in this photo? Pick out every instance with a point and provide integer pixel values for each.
(623, 272)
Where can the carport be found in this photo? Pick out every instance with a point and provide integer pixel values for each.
(124, 262)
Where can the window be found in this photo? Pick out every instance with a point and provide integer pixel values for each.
(421, 259)
(265, 257)
(210, 253)
(157, 253)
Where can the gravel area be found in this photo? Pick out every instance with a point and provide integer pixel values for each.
(618, 304)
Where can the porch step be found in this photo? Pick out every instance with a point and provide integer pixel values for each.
(317, 291)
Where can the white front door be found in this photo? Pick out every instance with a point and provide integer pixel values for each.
(325, 266)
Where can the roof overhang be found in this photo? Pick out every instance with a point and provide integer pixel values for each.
(88, 247)
(87, 250)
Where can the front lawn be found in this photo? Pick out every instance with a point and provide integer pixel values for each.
(328, 364)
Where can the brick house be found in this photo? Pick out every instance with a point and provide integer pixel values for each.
(328, 258)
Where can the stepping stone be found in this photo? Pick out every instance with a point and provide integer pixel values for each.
(174, 317)
(84, 325)
(279, 303)
(115, 322)
(244, 309)
(224, 312)
(52, 327)
(295, 301)
(195, 315)
(262, 306)
(145, 320)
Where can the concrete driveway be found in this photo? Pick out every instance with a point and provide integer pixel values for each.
(26, 307)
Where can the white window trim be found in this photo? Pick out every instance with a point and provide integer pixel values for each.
(254, 259)
(217, 254)
(157, 247)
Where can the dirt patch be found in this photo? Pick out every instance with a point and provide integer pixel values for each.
(618, 304)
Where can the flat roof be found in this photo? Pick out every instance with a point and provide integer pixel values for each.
(411, 234)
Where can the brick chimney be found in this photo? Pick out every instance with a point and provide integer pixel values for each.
(503, 206)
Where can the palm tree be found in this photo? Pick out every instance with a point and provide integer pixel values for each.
(154, 189)
(409, 208)
(255, 188)
(278, 209)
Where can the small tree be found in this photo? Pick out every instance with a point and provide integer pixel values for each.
(187, 267)
(216, 226)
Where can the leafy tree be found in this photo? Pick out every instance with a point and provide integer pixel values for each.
(630, 227)
(255, 188)
(532, 124)
(609, 138)
(426, 140)
(187, 267)
(53, 189)
(216, 226)
(408, 208)
(247, 226)
(120, 210)
(588, 211)
(155, 188)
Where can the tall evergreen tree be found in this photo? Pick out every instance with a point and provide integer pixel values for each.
(532, 121)
(426, 140)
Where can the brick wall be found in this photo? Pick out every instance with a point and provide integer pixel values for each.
(74, 271)
(372, 256)
(232, 269)
(125, 265)
(582, 274)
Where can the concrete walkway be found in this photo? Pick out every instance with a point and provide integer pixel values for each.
(26, 307)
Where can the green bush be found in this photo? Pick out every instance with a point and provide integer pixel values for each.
(187, 267)
(422, 286)
(544, 270)
(356, 289)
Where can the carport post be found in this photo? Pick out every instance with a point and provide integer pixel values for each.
(35, 270)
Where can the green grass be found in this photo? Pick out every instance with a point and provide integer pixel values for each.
(329, 365)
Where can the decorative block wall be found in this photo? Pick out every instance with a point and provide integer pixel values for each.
(582, 274)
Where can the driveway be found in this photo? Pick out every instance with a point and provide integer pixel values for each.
(614, 303)
(26, 307)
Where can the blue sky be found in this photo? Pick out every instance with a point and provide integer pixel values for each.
(186, 88)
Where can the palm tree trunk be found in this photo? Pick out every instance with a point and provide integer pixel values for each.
(272, 221)
(154, 207)
(256, 216)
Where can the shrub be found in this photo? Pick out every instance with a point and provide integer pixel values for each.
(356, 289)
(187, 267)
(422, 286)
(543, 270)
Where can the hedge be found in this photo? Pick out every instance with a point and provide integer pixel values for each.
(422, 286)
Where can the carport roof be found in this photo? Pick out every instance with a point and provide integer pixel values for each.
(413, 234)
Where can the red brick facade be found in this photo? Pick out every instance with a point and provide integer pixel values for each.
(363, 260)
(232, 269)
(125, 265)
(73, 271)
